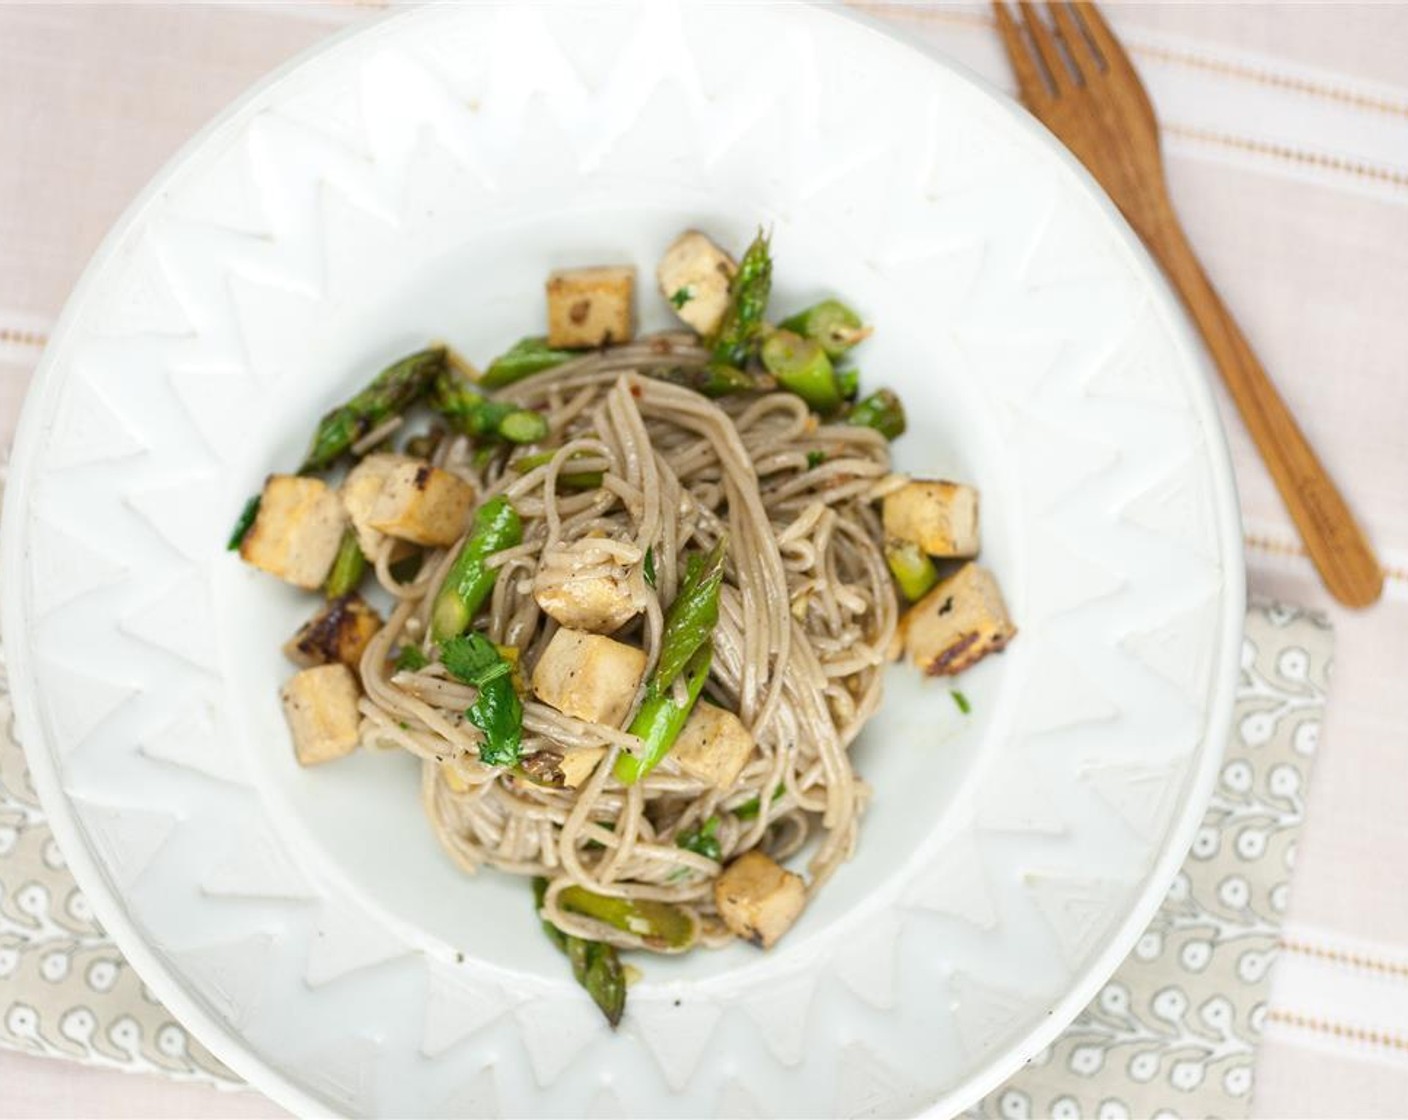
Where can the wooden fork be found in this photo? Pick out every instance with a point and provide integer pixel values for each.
(1078, 81)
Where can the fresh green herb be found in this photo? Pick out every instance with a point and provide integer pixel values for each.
(741, 327)
(347, 567)
(830, 324)
(497, 711)
(596, 965)
(659, 924)
(815, 459)
(524, 358)
(702, 840)
(681, 297)
(410, 660)
(244, 522)
(648, 568)
(914, 572)
(961, 701)
(749, 809)
(882, 411)
(496, 526)
(802, 367)
(389, 393)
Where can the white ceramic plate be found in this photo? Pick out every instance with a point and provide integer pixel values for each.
(418, 179)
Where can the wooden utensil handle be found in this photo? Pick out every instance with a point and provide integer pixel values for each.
(1336, 544)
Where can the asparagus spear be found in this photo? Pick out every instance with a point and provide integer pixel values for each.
(742, 325)
(573, 480)
(391, 391)
(525, 357)
(913, 570)
(496, 526)
(475, 414)
(830, 324)
(717, 379)
(658, 923)
(244, 523)
(848, 381)
(347, 568)
(595, 965)
(882, 411)
(802, 367)
(684, 647)
(660, 720)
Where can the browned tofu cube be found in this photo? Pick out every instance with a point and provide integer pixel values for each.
(591, 306)
(759, 899)
(714, 745)
(589, 676)
(423, 504)
(961, 621)
(585, 586)
(320, 705)
(339, 631)
(360, 490)
(297, 530)
(694, 275)
(940, 517)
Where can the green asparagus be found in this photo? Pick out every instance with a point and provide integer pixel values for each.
(738, 333)
(882, 411)
(524, 358)
(830, 324)
(244, 523)
(716, 379)
(660, 720)
(390, 392)
(914, 572)
(474, 414)
(497, 526)
(848, 381)
(347, 567)
(802, 367)
(570, 480)
(497, 711)
(659, 924)
(596, 965)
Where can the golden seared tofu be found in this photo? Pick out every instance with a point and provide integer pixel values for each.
(578, 765)
(566, 770)
(591, 306)
(360, 490)
(320, 705)
(297, 530)
(714, 745)
(758, 898)
(590, 585)
(694, 275)
(423, 504)
(961, 621)
(940, 517)
(589, 676)
(339, 631)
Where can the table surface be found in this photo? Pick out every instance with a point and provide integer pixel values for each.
(1286, 131)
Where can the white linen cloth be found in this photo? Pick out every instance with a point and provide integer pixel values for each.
(1287, 148)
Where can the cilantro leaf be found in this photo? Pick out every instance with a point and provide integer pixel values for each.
(702, 840)
(497, 711)
(815, 459)
(411, 659)
(649, 566)
(681, 296)
(749, 810)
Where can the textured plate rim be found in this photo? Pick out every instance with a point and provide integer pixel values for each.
(226, 1044)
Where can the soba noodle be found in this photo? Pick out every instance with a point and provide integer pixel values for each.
(807, 614)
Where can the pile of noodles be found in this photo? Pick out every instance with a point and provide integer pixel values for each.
(807, 613)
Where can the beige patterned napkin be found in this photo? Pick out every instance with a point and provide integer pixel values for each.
(1173, 1033)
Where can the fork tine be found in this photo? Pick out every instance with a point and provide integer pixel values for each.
(1046, 48)
(1083, 56)
(1104, 39)
(1030, 84)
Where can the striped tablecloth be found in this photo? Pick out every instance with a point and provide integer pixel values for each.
(1287, 147)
